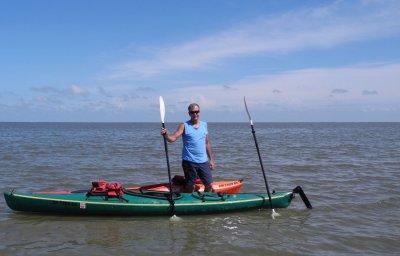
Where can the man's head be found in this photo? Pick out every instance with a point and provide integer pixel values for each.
(194, 111)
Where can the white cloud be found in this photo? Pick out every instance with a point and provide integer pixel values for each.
(46, 89)
(366, 92)
(339, 91)
(373, 87)
(103, 92)
(326, 26)
(73, 90)
(145, 89)
(303, 89)
(78, 90)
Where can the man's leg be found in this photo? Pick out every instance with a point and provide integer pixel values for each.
(190, 176)
(204, 173)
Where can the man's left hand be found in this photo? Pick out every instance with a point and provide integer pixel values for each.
(212, 164)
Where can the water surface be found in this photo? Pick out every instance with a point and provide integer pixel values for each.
(350, 172)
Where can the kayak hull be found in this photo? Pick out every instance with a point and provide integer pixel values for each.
(143, 204)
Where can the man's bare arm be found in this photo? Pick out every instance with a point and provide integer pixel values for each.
(210, 153)
(174, 136)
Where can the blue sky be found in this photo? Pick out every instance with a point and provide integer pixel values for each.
(108, 61)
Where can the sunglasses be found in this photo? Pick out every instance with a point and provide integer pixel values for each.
(194, 112)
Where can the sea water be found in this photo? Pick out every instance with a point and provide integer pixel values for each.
(349, 171)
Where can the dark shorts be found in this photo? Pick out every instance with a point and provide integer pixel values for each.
(194, 170)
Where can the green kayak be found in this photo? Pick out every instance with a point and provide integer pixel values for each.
(144, 203)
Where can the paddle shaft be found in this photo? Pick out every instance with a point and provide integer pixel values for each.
(171, 200)
(261, 163)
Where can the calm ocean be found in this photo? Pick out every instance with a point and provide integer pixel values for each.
(350, 172)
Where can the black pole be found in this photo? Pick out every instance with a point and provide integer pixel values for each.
(170, 196)
(261, 163)
(303, 196)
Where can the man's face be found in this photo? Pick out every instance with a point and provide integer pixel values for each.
(194, 113)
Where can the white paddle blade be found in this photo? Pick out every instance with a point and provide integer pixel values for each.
(247, 110)
(162, 109)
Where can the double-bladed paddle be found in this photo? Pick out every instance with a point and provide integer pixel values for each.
(273, 214)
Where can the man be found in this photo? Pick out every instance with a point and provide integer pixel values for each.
(197, 155)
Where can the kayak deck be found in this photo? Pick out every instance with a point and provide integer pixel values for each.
(153, 203)
(222, 186)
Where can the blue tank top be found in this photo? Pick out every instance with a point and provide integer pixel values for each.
(194, 143)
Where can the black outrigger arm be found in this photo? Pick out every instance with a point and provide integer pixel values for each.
(299, 190)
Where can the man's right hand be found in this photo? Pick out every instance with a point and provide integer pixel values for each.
(173, 136)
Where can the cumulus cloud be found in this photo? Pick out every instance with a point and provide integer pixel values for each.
(327, 26)
(78, 90)
(46, 100)
(145, 89)
(46, 89)
(339, 91)
(367, 92)
(227, 87)
(103, 92)
(313, 93)
(116, 103)
(11, 100)
(73, 90)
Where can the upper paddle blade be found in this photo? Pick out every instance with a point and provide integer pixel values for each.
(247, 110)
(162, 109)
